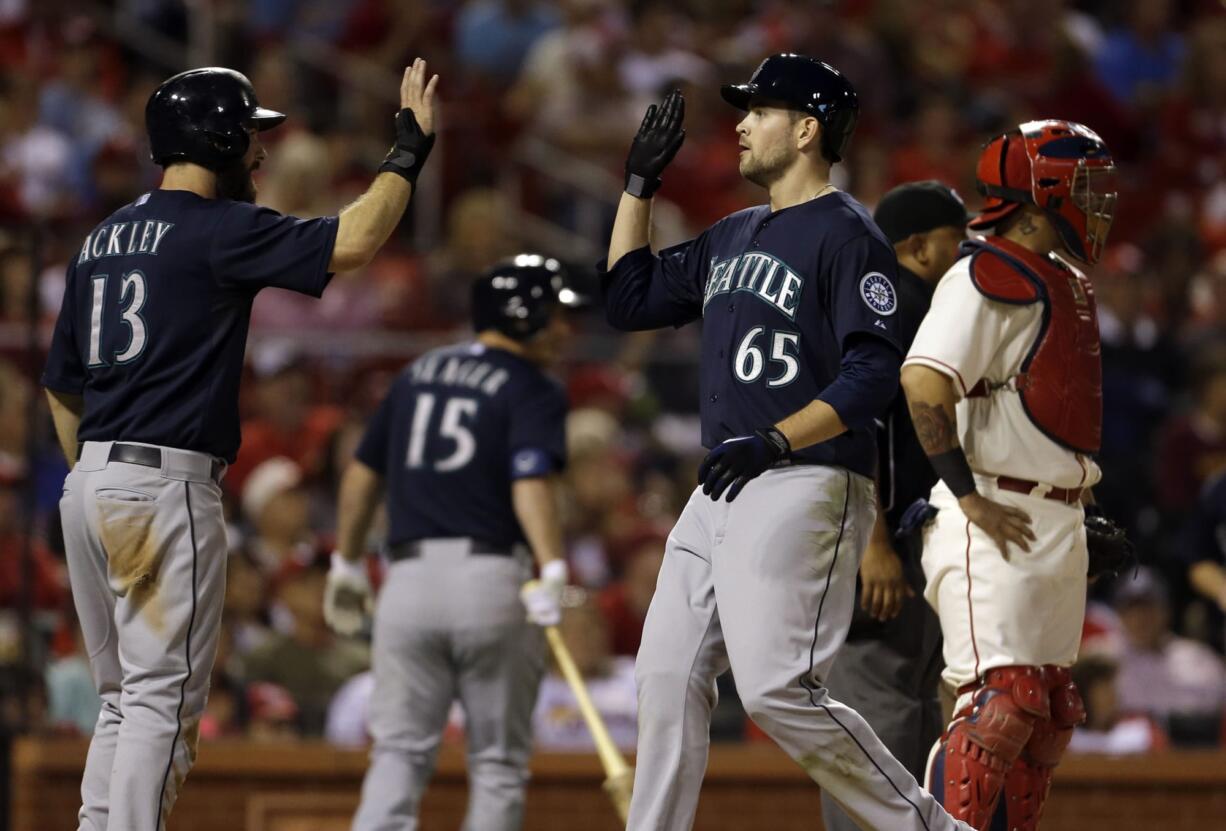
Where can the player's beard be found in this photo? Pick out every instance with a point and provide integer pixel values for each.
(764, 168)
(234, 181)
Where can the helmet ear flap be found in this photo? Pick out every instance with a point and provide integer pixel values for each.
(227, 146)
(204, 116)
(837, 130)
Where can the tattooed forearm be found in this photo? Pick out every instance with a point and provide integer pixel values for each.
(934, 426)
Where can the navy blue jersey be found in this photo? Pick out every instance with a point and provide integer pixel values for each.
(155, 315)
(457, 427)
(785, 297)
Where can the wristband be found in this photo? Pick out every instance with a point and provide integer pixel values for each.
(408, 155)
(642, 188)
(774, 436)
(555, 572)
(954, 471)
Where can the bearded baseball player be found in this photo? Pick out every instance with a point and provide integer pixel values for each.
(142, 379)
(1003, 384)
(800, 354)
(466, 446)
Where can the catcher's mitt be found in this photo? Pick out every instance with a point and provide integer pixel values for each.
(1110, 549)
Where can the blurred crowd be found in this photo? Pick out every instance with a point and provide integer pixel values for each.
(936, 78)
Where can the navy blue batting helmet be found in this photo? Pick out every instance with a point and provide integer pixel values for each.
(203, 115)
(808, 85)
(518, 296)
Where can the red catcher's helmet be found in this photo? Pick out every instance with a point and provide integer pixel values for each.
(1060, 166)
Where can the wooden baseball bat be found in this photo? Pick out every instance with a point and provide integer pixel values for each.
(619, 776)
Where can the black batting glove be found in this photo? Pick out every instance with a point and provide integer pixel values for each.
(657, 141)
(408, 154)
(734, 462)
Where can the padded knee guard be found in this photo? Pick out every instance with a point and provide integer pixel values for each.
(1028, 781)
(986, 737)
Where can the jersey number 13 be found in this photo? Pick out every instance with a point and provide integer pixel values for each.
(132, 294)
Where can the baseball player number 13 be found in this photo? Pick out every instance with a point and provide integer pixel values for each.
(451, 427)
(131, 291)
(750, 363)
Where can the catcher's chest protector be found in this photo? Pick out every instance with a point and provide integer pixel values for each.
(1060, 382)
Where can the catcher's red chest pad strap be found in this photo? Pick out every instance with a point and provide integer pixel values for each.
(997, 278)
(1061, 378)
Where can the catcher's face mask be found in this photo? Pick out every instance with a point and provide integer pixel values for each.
(1060, 166)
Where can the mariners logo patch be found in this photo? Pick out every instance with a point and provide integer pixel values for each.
(878, 293)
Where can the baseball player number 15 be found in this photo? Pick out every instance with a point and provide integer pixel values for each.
(451, 427)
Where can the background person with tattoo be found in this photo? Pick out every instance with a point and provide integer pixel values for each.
(1004, 386)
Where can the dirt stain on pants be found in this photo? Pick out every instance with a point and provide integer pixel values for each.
(133, 554)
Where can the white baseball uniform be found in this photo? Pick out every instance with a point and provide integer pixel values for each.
(1028, 609)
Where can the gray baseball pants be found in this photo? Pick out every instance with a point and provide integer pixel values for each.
(890, 672)
(449, 625)
(147, 562)
(766, 585)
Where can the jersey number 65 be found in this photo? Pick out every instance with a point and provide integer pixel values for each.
(749, 363)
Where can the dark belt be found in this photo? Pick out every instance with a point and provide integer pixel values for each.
(1069, 496)
(139, 454)
(476, 548)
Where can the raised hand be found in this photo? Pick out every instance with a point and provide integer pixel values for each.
(414, 124)
(654, 146)
(417, 94)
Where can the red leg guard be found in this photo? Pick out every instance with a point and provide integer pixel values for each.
(1028, 781)
(985, 739)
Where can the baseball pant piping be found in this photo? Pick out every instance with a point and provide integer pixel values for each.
(889, 673)
(187, 652)
(970, 605)
(813, 688)
(817, 621)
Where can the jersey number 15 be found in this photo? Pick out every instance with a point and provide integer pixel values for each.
(451, 427)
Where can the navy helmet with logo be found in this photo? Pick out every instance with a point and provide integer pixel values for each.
(808, 85)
